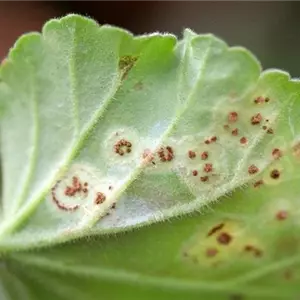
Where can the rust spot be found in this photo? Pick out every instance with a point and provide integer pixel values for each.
(276, 153)
(224, 238)
(204, 155)
(259, 100)
(235, 132)
(232, 116)
(264, 127)
(258, 183)
(191, 154)
(207, 142)
(122, 146)
(270, 131)
(100, 198)
(226, 127)
(211, 252)
(165, 154)
(204, 178)
(253, 169)
(195, 172)
(275, 174)
(282, 215)
(59, 204)
(256, 119)
(213, 139)
(208, 168)
(243, 140)
(126, 63)
(215, 229)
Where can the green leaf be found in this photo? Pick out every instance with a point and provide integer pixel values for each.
(103, 132)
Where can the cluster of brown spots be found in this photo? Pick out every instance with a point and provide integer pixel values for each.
(256, 119)
(195, 172)
(58, 203)
(126, 63)
(224, 238)
(252, 169)
(211, 252)
(260, 100)
(122, 146)
(235, 132)
(232, 117)
(256, 252)
(204, 178)
(100, 198)
(191, 154)
(276, 153)
(215, 229)
(275, 174)
(281, 215)
(258, 183)
(208, 168)
(243, 140)
(204, 155)
(76, 187)
(165, 154)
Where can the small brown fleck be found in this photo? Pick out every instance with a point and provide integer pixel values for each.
(233, 116)
(235, 132)
(191, 154)
(224, 238)
(204, 155)
(213, 139)
(258, 183)
(126, 63)
(113, 205)
(256, 252)
(256, 119)
(276, 153)
(267, 99)
(207, 142)
(208, 168)
(270, 131)
(226, 126)
(264, 127)
(110, 187)
(275, 174)
(138, 86)
(195, 172)
(253, 169)
(204, 178)
(243, 140)
(215, 229)
(211, 252)
(259, 100)
(282, 215)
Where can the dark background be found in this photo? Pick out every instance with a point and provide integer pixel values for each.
(271, 30)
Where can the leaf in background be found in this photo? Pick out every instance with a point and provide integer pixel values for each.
(105, 132)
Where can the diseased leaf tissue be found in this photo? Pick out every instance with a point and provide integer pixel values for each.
(103, 133)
